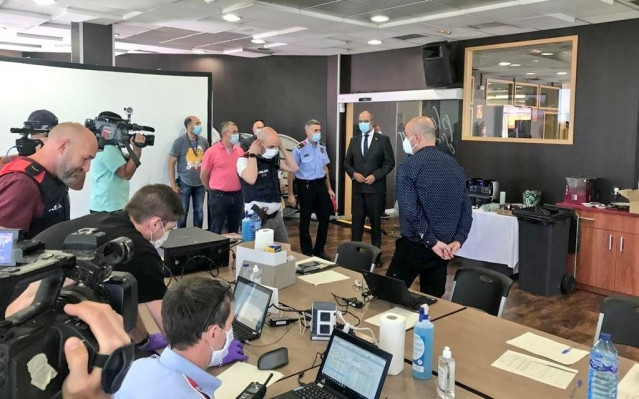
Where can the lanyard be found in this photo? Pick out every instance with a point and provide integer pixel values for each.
(194, 148)
(196, 387)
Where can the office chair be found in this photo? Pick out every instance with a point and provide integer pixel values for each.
(356, 255)
(620, 318)
(481, 288)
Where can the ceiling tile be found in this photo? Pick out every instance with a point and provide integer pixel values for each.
(159, 35)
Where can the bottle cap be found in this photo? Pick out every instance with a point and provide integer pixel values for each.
(447, 354)
(423, 312)
(605, 336)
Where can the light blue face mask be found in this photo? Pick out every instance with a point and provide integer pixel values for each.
(316, 137)
(235, 138)
(364, 127)
(197, 129)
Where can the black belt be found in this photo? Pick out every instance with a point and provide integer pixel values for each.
(225, 192)
(321, 179)
(272, 215)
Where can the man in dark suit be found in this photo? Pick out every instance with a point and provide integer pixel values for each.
(369, 159)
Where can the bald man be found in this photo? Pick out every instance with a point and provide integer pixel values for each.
(32, 189)
(434, 210)
(260, 183)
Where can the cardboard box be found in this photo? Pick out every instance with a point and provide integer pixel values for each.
(633, 197)
(278, 276)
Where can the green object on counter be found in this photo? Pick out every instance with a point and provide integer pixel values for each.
(531, 198)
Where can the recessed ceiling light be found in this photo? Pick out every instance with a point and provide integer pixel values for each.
(258, 41)
(374, 42)
(547, 53)
(44, 2)
(231, 17)
(562, 73)
(276, 44)
(530, 73)
(379, 18)
(445, 31)
(116, 35)
(199, 51)
(515, 65)
(535, 51)
(504, 63)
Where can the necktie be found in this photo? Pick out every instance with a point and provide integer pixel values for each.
(365, 145)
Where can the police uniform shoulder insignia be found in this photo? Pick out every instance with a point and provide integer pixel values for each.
(302, 144)
(322, 150)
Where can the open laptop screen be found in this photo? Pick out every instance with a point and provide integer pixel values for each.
(8, 240)
(354, 367)
(250, 302)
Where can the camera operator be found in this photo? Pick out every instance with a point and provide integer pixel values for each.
(146, 220)
(111, 174)
(38, 120)
(33, 189)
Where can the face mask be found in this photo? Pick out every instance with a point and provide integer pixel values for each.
(364, 127)
(158, 243)
(218, 356)
(270, 153)
(197, 129)
(235, 138)
(257, 131)
(408, 148)
(316, 137)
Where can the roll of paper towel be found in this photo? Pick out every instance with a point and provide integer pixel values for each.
(263, 238)
(392, 335)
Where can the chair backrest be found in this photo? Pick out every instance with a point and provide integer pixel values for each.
(481, 288)
(620, 318)
(356, 255)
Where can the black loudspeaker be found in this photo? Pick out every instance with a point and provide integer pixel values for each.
(438, 65)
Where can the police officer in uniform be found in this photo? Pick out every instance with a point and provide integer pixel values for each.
(313, 187)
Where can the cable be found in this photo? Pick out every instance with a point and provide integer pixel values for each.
(274, 342)
(348, 327)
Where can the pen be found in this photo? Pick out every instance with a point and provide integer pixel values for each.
(574, 390)
(566, 350)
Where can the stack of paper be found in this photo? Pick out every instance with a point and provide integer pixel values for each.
(537, 369)
(326, 277)
(548, 348)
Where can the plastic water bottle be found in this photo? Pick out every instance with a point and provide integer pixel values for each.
(423, 346)
(245, 271)
(446, 375)
(246, 227)
(256, 224)
(604, 366)
(256, 275)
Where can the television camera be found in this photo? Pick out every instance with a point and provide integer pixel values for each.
(40, 122)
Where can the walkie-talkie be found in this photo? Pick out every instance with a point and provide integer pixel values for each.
(255, 390)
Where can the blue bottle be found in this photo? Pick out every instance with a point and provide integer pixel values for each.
(423, 346)
(246, 227)
(256, 224)
(604, 368)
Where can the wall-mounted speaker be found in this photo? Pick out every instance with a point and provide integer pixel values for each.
(438, 65)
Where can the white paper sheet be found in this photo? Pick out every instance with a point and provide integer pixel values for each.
(326, 277)
(411, 317)
(629, 386)
(548, 348)
(238, 376)
(537, 369)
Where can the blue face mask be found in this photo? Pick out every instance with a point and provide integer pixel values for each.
(316, 137)
(197, 129)
(364, 127)
(235, 138)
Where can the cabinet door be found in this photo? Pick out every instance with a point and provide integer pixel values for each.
(596, 258)
(627, 264)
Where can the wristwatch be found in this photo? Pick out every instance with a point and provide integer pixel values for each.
(251, 155)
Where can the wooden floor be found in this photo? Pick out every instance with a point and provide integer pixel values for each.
(572, 316)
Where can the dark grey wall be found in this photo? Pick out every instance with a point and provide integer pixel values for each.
(605, 121)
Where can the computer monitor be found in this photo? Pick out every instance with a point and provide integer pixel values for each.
(8, 239)
(251, 302)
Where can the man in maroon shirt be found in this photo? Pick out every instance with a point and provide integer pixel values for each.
(32, 188)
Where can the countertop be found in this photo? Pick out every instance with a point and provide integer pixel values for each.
(596, 210)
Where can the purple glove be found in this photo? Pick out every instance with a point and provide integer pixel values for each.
(236, 352)
(154, 342)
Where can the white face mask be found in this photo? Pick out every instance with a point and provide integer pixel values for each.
(270, 153)
(218, 356)
(158, 243)
(407, 147)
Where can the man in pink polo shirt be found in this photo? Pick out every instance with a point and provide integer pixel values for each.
(219, 177)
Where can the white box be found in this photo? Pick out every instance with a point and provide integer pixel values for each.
(252, 255)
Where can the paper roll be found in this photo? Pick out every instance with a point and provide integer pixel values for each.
(502, 197)
(263, 238)
(392, 335)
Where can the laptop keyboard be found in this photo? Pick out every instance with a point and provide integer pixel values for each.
(312, 391)
(421, 299)
(241, 333)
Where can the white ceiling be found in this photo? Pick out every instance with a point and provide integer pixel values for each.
(292, 27)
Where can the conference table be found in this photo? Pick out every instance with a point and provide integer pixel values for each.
(476, 338)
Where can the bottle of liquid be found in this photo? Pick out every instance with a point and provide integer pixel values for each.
(245, 271)
(246, 227)
(603, 373)
(256, 275)
(446, 375)
(423, 346)
(256, 224)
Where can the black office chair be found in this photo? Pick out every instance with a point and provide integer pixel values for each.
(620, 318)
(481, 288)
(356, 255)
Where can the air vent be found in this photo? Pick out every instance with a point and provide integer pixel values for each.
(409, 37)
(489, 25)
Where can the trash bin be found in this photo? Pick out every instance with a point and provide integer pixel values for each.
(543, 248)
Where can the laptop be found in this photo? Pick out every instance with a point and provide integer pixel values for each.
(352, 368)
(250, 304)
(394, 290)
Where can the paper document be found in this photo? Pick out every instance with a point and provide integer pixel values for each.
(629, 386)
(238, 376)
(537, 369)
(322, 263)
(553, 350)
(411, 317)
(326, 277)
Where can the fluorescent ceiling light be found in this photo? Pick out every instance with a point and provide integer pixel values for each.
(258, 41)
(279, 32)
(562, 73)
(374, 42)
(44, 2)
(379, 18)
(504, 63)
(515, 65)
(231, 18)
(233, 51)
(610, 2)
(39, 37)
(547, 53)
(271, 45)
(199, 51)
(530, 73)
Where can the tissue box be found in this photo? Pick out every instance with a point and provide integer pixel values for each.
(633, 197)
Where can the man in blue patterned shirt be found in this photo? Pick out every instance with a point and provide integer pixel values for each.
(434, 210)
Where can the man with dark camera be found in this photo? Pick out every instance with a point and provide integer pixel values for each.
(111, 173)
(33, 189)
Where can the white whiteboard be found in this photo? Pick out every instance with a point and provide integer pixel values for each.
(73, 93)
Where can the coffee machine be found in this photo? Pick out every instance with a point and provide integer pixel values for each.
(483, 191)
